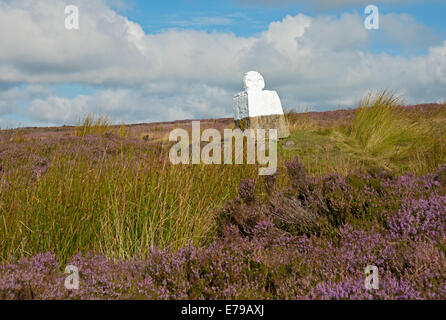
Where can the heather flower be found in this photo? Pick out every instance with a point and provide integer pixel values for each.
(297, 174)
(440, 175)
(246, 190)
(418, 219)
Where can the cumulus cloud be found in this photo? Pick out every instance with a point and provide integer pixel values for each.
(175, 74)
(11, 96)
(130, 105)
(404, 30)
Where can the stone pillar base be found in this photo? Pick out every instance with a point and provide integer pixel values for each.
(265, 122)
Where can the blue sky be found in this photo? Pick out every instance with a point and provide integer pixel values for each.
(248, 19)
(252, 18)
(141, 61)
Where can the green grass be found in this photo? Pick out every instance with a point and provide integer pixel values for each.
(383, 133)
(113, 208)
(380, 124)
(398, 138)
(92, 124)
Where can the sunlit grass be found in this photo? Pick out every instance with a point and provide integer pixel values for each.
(399, 137)
(92, 124)
(122, 206)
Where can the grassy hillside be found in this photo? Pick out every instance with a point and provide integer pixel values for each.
(353, 188)
(112, 189)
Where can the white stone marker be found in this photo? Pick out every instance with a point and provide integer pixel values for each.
(256, 108)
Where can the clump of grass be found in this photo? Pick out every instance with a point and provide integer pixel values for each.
(405, 138)
(380, 123)
(92, 124)
(107, 195)
(430, 150)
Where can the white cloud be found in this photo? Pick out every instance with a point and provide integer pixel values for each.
(318, 61)
(130, 105)
(11, 95)
(404, 30)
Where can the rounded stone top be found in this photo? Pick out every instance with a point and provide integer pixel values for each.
(253, 81)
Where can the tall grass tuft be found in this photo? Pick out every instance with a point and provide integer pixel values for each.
(106, 194)
(429, 151)
(380, 123)
(92, 124)
(385, 129)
